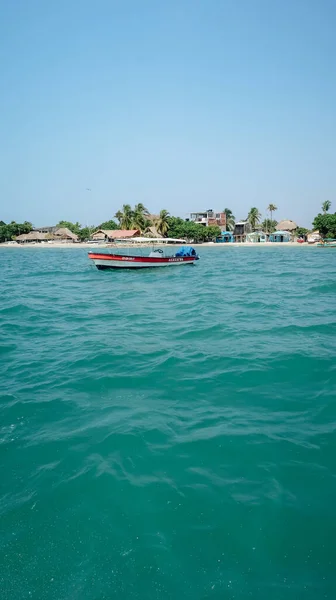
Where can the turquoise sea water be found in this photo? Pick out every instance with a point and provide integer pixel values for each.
(168, 434)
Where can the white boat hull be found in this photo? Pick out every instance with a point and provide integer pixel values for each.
(108, 261)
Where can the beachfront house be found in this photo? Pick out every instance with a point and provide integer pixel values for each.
(63, 234)
(285, 232)
(111, 235)
(225, 237)
(313, 237)
(241, 230)
(287, 225)
(280, 236)
(208, 217)
(31, 237)
(46, 229)
(256, 237)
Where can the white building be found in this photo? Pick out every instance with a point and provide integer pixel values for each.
(208, 217)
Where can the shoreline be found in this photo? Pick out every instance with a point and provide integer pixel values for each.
(119, 247)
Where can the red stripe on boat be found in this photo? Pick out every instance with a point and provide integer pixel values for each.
(143, 259)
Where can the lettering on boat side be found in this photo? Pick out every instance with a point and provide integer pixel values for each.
(175, 259)
(127, 258)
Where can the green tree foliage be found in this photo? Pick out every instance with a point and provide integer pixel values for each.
(74, 227)
(268, 225)
(326, 206)
(108, 225)
(326, 224)
(86, 232)
(230, 219)
(162, 222)
(125, 217)
(301, 231)
(141, 217)
(211, 233)
(133, 218)
(178, 228)
(272, 208)
(254, 217)
(12, 230)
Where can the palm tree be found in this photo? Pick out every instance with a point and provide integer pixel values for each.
(254, 217)
(268, 225)
(119, 215)
(325, 206)
(161, 223)
(140, 217)
(230, 219)
(125, 217)
(272, 208)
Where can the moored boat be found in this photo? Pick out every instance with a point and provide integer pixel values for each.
(186, 255)
(327, 243)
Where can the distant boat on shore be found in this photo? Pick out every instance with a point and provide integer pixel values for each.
(328, 243)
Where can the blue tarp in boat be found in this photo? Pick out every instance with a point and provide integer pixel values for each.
(186, 251)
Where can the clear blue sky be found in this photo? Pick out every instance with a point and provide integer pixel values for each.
(179, 104)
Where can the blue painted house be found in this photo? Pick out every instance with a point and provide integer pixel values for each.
(280, 236)
(225, 237)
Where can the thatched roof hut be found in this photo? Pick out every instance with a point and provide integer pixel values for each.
(32, 236)
(153, 232)
(114, 234)
(287, 225)
(65, 234)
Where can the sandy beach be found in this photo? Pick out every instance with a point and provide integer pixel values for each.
(119, 246)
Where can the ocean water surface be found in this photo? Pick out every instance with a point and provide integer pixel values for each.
(168, 434)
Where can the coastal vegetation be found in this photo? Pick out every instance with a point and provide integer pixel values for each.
(162, 222)
(254, 217)
(166, 225)
(301, 231)
(230, 219)
(326, 225)
(326, 206)
(140, 218)
(76, 228)
(11, 230)
(134, 218)
(272, 208)
(178, 228)
(269, 225)
(111, 224)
